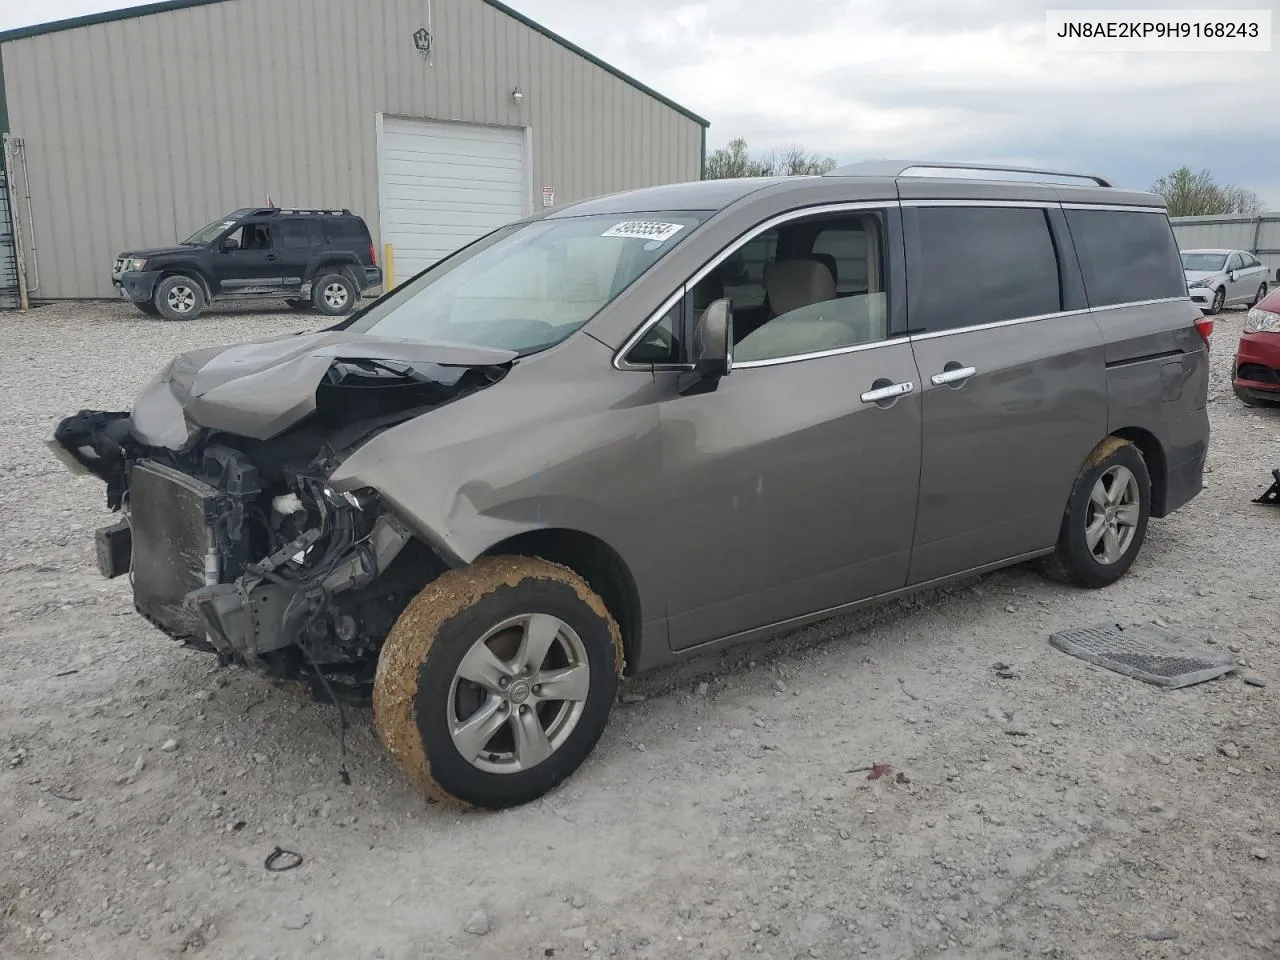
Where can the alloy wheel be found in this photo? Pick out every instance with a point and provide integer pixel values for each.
(1111, 521)
(335, 296)
(181, 299)
(518, 693)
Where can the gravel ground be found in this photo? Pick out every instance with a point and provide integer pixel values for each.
(1066, 812)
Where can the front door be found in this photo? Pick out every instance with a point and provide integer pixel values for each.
(791, 487)
(252, 263)
(1013, 374)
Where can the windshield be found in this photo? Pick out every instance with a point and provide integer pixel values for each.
(1208, 262)
(528, 286)
(207, 234)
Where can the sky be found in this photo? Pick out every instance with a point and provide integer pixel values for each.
(966, 80)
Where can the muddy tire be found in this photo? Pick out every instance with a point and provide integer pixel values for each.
(334, 294)
(179, 298)
(497, 681)
(1105, 523)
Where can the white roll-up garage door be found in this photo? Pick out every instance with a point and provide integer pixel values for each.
(443, 185)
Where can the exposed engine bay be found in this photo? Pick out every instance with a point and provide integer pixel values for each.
(235, 541)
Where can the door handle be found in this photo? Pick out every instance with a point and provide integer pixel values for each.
(956, 375)
(888, 393)
(272, 258)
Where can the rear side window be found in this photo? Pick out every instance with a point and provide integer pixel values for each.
(347, 232)
(982, 265)
(1126, 257)
(299, 234)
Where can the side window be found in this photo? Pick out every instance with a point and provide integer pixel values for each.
(853, 256)
(254, 236)
(1250, 261)
(805, 312)
(984, 265)
(1126, 257)
(1235, 262)
(742, 274)
(298, 234)
(660, 344)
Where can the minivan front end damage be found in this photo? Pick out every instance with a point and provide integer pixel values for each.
(236, 541)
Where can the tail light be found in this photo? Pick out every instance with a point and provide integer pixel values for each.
(373, 257)
(1204, 327)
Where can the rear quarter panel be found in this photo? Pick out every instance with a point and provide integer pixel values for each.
(1158, 382)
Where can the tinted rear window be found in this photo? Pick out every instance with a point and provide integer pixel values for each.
(1126, 257)
(347, 231)
(984, 265)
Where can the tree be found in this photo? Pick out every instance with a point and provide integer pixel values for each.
(1190, 194)
(734, 160)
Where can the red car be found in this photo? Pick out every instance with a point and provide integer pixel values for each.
(1256, 370)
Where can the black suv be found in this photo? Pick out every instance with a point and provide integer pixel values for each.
(322, 259)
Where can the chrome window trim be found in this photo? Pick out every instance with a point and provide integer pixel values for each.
(1142, 303)
(836, 352)
(994, 325)
(620, 364)
(1115, 208)
(1027, 204)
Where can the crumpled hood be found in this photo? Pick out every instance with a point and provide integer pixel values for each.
(261, 388)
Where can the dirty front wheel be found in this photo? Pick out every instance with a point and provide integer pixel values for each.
(497, 681)
(334, 294)
(179, 298)
(1106, 519)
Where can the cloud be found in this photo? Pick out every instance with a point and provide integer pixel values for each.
(962, 79)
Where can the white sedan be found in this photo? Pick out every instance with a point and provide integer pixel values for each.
(1221, 278)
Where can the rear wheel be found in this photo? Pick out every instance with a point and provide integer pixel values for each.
(334, 294)
(179, 298)
(497, 681)
(1106, 519)
(1257, 297)
(1219, 298)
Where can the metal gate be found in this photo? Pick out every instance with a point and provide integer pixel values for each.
(8, 249)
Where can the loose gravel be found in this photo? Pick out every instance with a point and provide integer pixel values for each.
(926, 779)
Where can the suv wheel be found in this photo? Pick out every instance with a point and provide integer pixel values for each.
(179, 298)
(1106, 519)
(334, 294)
(1219, 298)
(497, 681)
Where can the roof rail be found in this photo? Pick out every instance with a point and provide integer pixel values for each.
(894, 168)
(276, 211)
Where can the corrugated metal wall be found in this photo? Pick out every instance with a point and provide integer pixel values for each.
(1260, 235)
(139, 131)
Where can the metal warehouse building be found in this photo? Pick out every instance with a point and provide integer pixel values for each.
(436, 120)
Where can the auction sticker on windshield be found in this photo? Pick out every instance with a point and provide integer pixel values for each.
(644, 230)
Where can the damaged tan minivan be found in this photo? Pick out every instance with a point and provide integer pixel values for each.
(643, 426)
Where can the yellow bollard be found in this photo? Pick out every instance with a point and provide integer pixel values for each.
(388, 267)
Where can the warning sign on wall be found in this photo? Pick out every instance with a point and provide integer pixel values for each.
(548, 196)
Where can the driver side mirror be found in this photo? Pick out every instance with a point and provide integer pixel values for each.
(713, 341)
(230, 244)
(1231, 275)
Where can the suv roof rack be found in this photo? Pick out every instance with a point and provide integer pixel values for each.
(893, 168)
(276, 211)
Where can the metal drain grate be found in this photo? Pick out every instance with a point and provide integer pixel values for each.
(1146, 652)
